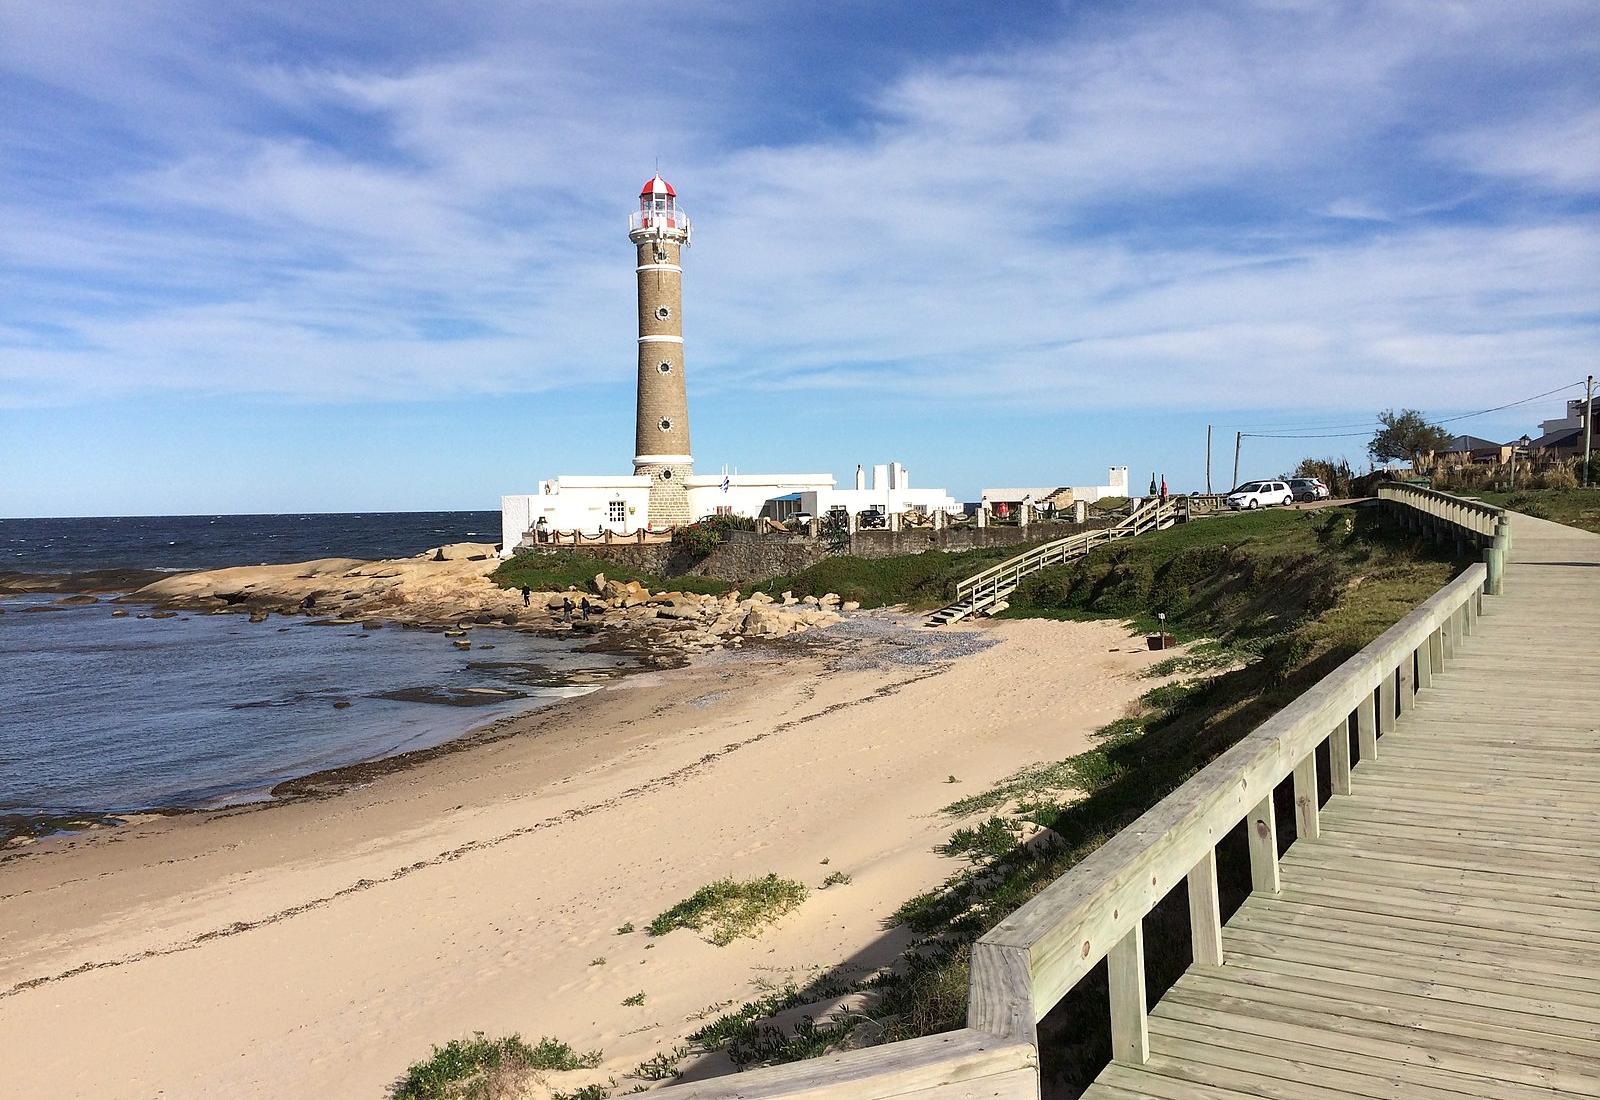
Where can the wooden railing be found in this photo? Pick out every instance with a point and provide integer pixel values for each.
(995, 583)
(1443, 517)
(1028, 962)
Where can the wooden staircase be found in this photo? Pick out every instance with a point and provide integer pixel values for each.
(985, 593)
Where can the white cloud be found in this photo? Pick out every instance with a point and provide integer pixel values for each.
(1209, 206)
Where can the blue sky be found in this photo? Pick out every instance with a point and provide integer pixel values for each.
(294, 256)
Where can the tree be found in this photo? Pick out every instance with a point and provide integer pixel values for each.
(1406, 435)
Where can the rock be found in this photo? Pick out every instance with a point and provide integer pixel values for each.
(760, 597)
(788, 600)
(120, 613)
(599, 584)
(163, 614)
(81, 600)
(850, 605)
(258, 616)
(462, 551)
(341, 704)
(459, 644)
(830, 599)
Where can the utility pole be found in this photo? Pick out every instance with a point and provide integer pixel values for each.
(1208, 459)
(1238, 437)
(1588, 426)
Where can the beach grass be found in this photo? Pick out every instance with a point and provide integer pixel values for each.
(1578, 508)
(920, 581)
(561, 569)
(727, 910)
(481, 1068)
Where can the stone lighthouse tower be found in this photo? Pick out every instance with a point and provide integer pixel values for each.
(660, 231)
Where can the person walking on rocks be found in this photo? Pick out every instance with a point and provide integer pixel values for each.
(527, 596)
(566, 609)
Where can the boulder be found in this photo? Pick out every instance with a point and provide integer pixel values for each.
(760, 597)
(599, 584)
(78, 600)
(462, 551)
(850, 605)
(830, 599)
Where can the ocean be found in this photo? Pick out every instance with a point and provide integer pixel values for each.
(212, 542)
(106, 715)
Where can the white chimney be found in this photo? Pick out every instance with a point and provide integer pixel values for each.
(861, 477)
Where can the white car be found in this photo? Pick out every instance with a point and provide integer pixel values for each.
(1260, 494)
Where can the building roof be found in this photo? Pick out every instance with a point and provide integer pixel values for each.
(1469, 443)
(1559, 438)
(654, 186)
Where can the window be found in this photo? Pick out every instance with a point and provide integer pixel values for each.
(664, 424)
(664, 367)
(617, 511)
(724, 510)
(662, 313)
(666, 475)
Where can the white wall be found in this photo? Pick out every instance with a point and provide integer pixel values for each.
(575, 504)
(746, 493)
(888, 500)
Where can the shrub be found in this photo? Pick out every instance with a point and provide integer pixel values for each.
(697, 540)
(486, 1069)
(727, 910)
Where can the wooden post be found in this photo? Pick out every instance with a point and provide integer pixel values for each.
(1307, 819)
(1367, 728)
(1339, 758)
(1407, 685)
(1386, 694)
(1424, 656)
(1205, 911)
(1436, 652)
(1495, 559)
(1262, 825)
(1130, 1031)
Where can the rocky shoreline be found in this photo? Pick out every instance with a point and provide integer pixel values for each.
(450, 588)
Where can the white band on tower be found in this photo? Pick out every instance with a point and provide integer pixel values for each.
(660, 339)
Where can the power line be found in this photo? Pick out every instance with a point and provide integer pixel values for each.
(1372, 425)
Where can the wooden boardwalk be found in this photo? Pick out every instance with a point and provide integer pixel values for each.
(1440, 937)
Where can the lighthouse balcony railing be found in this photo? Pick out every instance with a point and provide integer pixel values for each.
(662, 219)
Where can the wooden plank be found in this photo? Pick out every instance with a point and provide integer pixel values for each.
(1221, 1046)
(1000, 992)
(1262, 830)
(1306, 809)
(1130, 1036)
(1406, 682)
(1424, 664)
(1339, 758)
(1435, 1045)
(1205, 912)
(956, 1064)
(1437, 1018)
(1367, 730)
(1382, 1042)
(1386, 704)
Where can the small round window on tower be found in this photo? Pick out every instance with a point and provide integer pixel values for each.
(666, 475)
(664, 367)
(662, 313)
(665, 424)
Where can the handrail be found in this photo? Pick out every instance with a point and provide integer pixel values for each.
(1140, 520)
(1029, 961)
(1052, 941)
(1472, 515)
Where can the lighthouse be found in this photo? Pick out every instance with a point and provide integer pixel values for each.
(659, 231)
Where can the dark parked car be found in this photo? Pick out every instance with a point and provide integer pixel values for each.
(871, 517)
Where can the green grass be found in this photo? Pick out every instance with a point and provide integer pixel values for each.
(836, 878)
(555, 572)
(480, 1068)
(1578, 508)
(727, 910)
(920, 581)
(634, 1000)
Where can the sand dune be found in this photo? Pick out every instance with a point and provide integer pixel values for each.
(317, 947)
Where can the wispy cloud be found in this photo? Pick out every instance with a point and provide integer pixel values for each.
(1221, 205)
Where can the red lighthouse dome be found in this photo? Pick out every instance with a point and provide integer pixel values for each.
(656, 187)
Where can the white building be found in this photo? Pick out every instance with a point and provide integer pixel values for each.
(1012, 496)
(663, 489)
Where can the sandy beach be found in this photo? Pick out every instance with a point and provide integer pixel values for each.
(316, 946)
